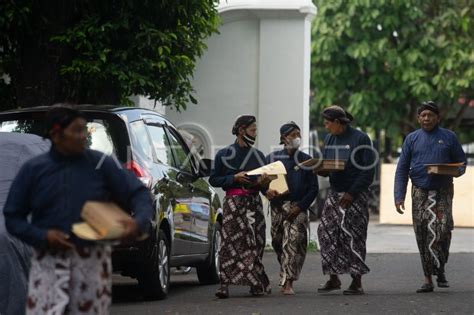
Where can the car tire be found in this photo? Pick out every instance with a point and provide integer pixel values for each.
(208, 272)
(155, 279)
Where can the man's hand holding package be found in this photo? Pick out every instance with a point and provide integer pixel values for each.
(58, 240)
(264, 180)
(131, 230)
(271, 194)
(242, 178)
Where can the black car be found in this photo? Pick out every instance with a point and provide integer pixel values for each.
(188, 216)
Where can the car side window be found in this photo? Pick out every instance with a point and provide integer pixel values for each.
(183, 160)
(160, 144)
(140, 140)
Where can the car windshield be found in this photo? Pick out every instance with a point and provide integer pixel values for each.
(102, 133)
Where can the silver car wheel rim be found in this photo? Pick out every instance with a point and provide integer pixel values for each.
(217, 247)
(163, 264)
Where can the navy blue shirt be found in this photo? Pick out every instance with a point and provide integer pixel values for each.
(302, 183)
(427, 147)
(53, 189)
(355, 148)
(232, 160)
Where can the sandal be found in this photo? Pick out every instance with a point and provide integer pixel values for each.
(330, 285)
(353, 290)
(222, 293)
(442, 282)
(256, 291)
(425, 288)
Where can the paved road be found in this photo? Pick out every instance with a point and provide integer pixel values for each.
(390, 290)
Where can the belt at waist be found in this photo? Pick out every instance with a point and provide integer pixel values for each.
(240, 192)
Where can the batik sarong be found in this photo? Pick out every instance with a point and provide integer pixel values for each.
(73, 282)
(342, 235)
(433, 223)
(243, 242)
(290, 241)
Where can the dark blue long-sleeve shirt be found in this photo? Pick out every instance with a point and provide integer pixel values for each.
(232, 160)
(53, 188)
(355, 148)
(302, 183)
(427, 147)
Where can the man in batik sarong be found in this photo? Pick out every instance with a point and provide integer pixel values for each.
(243, 225)
(289, 210)
(432, 194)
(342, 231)
(69, 275)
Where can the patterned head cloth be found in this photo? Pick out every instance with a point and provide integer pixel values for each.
(430, 105)
(242, 121)
(286, 129)
(334, 112)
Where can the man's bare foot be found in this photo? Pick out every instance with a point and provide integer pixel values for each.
(288, 289)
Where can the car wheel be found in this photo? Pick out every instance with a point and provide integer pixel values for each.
(208, 273)
(155, 280)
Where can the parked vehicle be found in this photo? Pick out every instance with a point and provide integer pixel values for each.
(15, 256)
(188, 215)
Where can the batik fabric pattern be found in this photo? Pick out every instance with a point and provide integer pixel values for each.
(342, 235)
(71, 282)
(433, 223)
(289, 241)
(243, 242)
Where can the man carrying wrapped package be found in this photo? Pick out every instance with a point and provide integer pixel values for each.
(70, 275)
(289, 210)
(432, 194)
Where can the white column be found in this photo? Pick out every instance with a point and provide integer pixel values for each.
(284, 73)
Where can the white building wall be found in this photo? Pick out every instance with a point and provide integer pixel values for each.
(258, 64)
(226, 83)
(283, 79)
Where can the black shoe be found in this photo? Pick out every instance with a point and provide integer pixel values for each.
(330, 285)
(222, 293)
(352, 290)
(256, 291)
(442, 282)
(425, 288)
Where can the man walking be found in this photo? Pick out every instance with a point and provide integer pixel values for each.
(432, 195)
(243, 227)
(342, 232)
(69, 275)
(289, 211)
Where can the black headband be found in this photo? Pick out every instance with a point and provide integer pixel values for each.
(287, 129)
(431, 106)
(243, 121)
(336, 112)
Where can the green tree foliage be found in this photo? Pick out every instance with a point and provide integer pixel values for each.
(382, 58)
(101, 52)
